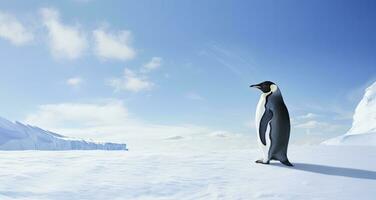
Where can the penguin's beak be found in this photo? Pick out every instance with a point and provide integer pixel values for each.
(255, 86)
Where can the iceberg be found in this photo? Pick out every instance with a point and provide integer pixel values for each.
(363, 130)
(18, 136)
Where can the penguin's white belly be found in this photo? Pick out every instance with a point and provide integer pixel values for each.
(259, 113)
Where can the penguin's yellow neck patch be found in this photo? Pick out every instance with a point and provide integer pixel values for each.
(273, 88)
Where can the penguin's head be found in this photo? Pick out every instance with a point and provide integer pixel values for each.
(266, 86)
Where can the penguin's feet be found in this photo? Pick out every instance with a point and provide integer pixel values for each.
(287, 163)
(262, 162)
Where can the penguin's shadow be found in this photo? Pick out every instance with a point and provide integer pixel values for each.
(331, 170)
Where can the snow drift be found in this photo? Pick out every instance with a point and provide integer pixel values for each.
(363, 130)
(18, 136)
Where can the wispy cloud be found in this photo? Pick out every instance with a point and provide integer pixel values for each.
(136, 81)
(311, 124)
(113, 45)
(232, 61)
(74, 82)
(194, 96)
(308, 116)
(131, 81)
(153, 64)
(333, 111)
(64, 41)
(13, 30)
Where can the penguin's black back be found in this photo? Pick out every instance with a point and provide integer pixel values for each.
(279, 127)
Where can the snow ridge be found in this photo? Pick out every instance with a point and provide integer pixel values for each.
(18, 136)
(363, 130)
(364, 120)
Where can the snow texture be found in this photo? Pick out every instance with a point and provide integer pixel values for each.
(17, 136)
(320, 172)
(363, 130)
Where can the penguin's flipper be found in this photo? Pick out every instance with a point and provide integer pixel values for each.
(265, 119)
(287, 163)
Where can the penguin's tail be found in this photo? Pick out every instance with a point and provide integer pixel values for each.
(287, 163)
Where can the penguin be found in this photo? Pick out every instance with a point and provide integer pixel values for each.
(272, 124)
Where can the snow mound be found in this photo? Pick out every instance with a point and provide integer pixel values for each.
(365, 113)
(368, 139)
(363, 130)
(18, 136)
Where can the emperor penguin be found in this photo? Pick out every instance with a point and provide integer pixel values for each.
(272, 124)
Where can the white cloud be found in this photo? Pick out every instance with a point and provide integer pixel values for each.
(11, 29)
(138, 81)
(113, 45)
(131, 81)
(310, 124)
(153, 64)
(317, 126)
(193, 96)
(70, 115)
(223, 134)
(308, 116)
(74, 81)
(64, 41)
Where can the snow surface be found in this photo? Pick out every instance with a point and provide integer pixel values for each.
(320, 172)
(363, 130)
(17, 136)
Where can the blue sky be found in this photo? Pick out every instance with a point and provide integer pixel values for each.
(174, 63)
